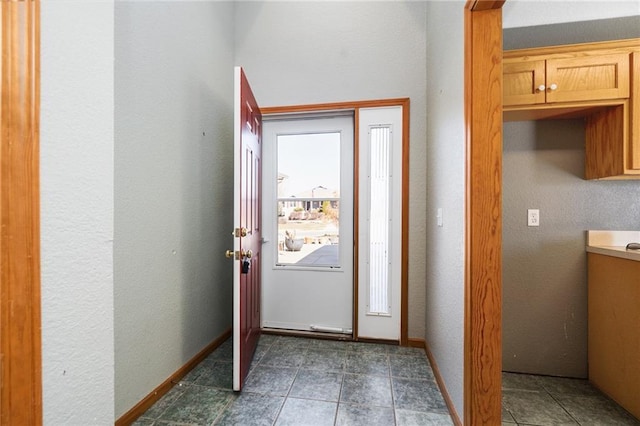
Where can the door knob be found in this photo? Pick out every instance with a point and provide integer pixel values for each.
(242, 254)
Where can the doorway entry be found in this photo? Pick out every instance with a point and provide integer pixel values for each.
(307, 212)
(365, 247)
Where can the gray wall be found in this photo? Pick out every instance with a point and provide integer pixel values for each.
(544, 269)
(173, 192)
(314, 52)
(76, 194)
(445, 189)
(531, 13)
(573, 32)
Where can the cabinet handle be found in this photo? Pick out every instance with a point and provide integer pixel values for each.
(553, 86)
(541, 88)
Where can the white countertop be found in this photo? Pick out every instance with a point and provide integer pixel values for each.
(613, 243)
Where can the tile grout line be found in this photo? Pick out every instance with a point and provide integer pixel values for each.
(286, 397)
(224, 409)
(344, 373)
(393, 400)
(561, 406)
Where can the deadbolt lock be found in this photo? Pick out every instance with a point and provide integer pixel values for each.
(239, 232)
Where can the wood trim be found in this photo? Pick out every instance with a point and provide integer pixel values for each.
(356, 223)
(416, 343)
(333, 106)
(142, 406)
(378, 341)
(404, 279)
(20, 317)
(565, 110)
(483, 217)
(422, 344)
(355, 105)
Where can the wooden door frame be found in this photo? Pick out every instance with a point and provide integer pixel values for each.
(483, 213)
(355, 106)
(20, 318)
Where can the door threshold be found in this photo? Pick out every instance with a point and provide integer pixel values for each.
(326, 336)
(312, 334)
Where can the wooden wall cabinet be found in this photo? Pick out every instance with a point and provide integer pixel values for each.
(614, 324)
(566, 79)
(588, 78)
(597, 81)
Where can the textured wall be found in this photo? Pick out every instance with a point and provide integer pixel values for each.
(527, 13)
(313, 52)
(173, 192)
(544, 269)
(445, 189)
(573, 32)
(77, 212)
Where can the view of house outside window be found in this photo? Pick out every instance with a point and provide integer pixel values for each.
(308, 199)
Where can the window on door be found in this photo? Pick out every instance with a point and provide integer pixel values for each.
(308, 193)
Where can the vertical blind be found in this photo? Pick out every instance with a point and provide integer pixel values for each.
(379, 218)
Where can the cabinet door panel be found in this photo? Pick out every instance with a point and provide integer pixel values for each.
(634, 137)
(588, 78)
(521, 82)
(613, 322)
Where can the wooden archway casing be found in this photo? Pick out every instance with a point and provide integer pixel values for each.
(20, 341)
(483, 213)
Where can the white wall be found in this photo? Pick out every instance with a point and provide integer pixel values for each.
(525, 13)
(313, 52)
(445, 189)
(173, 187)
(77, 212)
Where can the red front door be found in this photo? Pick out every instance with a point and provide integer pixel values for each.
(247, 218)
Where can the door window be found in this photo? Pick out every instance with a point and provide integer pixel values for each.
(308, 191)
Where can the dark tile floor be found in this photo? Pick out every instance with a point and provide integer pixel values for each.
(300, 381)
(542, 400)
